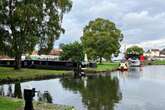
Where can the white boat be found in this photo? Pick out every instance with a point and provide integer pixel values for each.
(134, 62)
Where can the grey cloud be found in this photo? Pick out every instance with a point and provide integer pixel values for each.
(140, 20)
(148, 27)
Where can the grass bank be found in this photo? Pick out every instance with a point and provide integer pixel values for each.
(8, 74)
(9, 103)
(18, 104)
(158, 62)
(104, 67)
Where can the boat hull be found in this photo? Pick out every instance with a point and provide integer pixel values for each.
(134, 63)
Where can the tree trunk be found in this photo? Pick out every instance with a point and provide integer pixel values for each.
(18, 62)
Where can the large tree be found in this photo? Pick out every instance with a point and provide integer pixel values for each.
(72, 51)
(101, 39)
(27, 23)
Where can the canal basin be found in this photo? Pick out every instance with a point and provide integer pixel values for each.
(141, 88)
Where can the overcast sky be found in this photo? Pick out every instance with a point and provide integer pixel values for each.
(141, 21)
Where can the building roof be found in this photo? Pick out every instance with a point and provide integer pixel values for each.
(55, 52)
(35, 52)
(4, 57)
(155, 50)
(162, 52)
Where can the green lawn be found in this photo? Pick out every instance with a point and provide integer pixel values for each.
(103, 67)
(9, 74)
(18, 104)
(10, 104)
(158, 62)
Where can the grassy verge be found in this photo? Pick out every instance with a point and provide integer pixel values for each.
(10, 104)
(10, 75)
(18, 104)
(158, 62)
(103, 68)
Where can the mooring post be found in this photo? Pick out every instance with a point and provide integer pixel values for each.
(28, 97)
(76, 70)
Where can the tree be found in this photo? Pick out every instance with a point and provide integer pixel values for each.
(101, 39)
(72, 51)
(27, 23)
(135, 51)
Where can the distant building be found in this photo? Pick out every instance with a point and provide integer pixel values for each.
(159, 58)
(162, 52)
(155, 54)
(152, 53)
(34, 52)
(4, 57)
(53, 55)
(55, 52)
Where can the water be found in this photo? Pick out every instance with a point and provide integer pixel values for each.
(137, 89)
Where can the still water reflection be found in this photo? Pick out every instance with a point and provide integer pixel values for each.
(98, 94)
(137, 89)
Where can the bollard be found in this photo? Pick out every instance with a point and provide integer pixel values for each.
(78, 72)
(28, 97)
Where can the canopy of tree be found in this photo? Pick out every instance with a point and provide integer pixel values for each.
(134, 50)
(72, 51)
(27, 23)
(101, 39)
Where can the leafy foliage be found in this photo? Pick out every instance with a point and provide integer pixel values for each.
(101, 39)
(27, 23)
(72, 51)
(136, 50)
